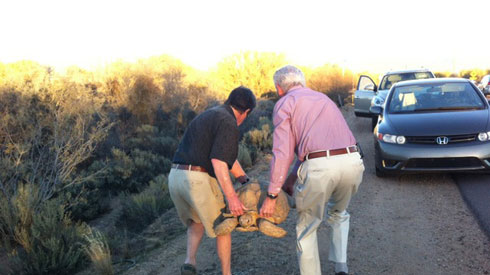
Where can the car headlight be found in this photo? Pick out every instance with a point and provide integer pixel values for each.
(484, 136)
(392, 138)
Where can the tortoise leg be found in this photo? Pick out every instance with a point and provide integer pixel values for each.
(270, 229)
(226, 226)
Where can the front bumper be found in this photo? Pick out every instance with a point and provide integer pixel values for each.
(463, 157)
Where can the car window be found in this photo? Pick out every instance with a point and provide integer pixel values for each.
(389, 80)
(434, 97)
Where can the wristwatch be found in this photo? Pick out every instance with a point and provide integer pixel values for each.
(243, 179)
(272, 196)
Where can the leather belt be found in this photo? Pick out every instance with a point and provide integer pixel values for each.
(189, 167)
(332, 152)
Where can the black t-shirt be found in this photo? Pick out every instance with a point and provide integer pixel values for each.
(213, 134)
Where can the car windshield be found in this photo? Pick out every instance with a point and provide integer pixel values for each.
(391, 79)
(434, 97)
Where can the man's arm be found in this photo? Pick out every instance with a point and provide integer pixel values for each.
(222, 174)
(283, 154)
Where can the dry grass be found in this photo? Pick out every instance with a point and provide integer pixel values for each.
(99, 253)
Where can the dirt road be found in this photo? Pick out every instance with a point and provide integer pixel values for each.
(401, 225)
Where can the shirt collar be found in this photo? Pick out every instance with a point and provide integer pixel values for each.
(228, 108)
(295, 89)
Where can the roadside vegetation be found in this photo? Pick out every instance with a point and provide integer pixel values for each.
(74, 147)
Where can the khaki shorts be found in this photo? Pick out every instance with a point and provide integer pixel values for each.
(197, 197)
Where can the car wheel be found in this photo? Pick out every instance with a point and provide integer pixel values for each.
(379, 173)
(374, 121)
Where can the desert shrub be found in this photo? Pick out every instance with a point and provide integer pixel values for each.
(259, 139)
(149, 138)
(16, 215)
(45, 137)
(140, 210)
(97, 249)
(250, 69)
(264, 108)
(51, 244)
(90, 199)
(143, 97)
(134, 170)
(244, 156)
(332, 80)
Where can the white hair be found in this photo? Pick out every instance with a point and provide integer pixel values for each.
(288, 77)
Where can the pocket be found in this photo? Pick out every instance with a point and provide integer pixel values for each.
(299, 188)
(216, 190)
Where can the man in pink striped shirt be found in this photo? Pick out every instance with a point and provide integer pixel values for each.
(329, 167)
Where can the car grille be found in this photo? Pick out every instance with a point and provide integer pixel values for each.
(432, 139)
(443, 163)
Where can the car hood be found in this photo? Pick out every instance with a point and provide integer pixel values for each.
(440, 123)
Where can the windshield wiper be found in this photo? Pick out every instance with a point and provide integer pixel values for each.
(422, 110)
(453, 108)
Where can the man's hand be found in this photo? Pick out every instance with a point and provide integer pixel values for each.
(221, 171)
(268, 208)
(235, 205)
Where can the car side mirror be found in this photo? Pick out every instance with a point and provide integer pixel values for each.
(377, 110)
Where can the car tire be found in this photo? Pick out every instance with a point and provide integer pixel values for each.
(374, 122)
(379, 173)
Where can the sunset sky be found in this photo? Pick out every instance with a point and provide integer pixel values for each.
(359, 35)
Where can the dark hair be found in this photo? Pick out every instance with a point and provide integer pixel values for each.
(241, 98)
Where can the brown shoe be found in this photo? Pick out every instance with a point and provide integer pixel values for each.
(188, 269)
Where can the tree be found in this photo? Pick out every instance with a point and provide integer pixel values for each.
(253, 70)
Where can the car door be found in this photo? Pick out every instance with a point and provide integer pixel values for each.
(366, 89)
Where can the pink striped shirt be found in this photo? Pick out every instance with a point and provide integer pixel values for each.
(305, 121)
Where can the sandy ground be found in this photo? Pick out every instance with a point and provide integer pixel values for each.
(415, 224)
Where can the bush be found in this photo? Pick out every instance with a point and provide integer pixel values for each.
(140, 210)
(88, 200)
(132, 172)
(51, 244)
(244, 157)
(263, 110)
(261, 138)
(99, 253)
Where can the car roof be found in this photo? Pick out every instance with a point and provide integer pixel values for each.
(408, 71)
(431, 81)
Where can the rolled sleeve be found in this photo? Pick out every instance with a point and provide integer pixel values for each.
(283, 145)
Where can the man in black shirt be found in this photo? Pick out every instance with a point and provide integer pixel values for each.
(206, 155)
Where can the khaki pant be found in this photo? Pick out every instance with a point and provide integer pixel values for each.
(197, 197)
(333, 180)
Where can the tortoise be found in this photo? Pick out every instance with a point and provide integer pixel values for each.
(251, 195)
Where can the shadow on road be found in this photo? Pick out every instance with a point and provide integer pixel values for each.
(475, 190)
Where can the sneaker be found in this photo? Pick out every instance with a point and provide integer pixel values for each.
(188, 269)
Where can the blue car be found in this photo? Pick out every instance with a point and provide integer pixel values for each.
(368, 94)
(432, 125)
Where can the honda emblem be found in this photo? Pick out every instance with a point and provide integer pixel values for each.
(442, 140)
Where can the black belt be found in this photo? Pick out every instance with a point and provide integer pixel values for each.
(332, 152)
(189, 167)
